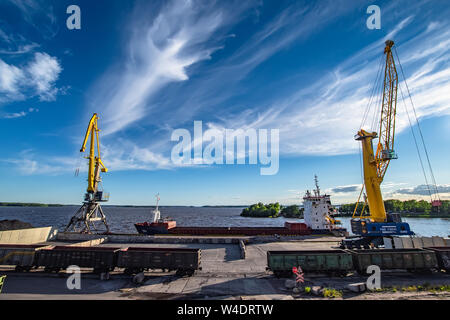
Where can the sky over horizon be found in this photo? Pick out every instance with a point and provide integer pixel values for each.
(306, 68)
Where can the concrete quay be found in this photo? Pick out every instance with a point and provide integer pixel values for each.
(232, 268)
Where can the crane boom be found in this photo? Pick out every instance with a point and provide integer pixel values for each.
(95, 162)
(375, 228)
(91, 213)
(385, 149)
(376, 163)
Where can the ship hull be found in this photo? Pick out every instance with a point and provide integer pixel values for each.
(150, 230)
(245, 231)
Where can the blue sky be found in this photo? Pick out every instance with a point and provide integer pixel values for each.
(148, 68)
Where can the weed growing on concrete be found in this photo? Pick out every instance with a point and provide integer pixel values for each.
(423, 287)
(332, 293)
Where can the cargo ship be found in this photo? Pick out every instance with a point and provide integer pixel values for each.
(318, 215)
(158, 224)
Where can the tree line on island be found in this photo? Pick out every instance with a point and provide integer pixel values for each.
(22, 204)
(407, 207)
(413, 208)
(272, 210)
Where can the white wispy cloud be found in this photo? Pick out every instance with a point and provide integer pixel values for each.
(158, 53)
(11, 78)
(44, 70)
(176, 39)
(15, 44)
(126, 155)
(36, 78)
(37, 14)
(424, 190)
(20, 114)
(319, 119)
(346, 189)
(118, 156)
(322, 118)
(297, 22)
(28, 162)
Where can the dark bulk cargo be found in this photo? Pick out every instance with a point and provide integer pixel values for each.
(101, 259)
(135, 259)
(247, 231)
(392, 259)
(318, 261)
(443, 257)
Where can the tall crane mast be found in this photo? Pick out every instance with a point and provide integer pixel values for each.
(379, 224)
(376, 163)
(91, 212)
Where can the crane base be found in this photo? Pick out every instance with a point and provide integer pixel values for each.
(366, 228)
(357, 242)
(89, 219)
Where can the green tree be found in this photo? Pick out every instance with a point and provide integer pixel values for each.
(292, 212)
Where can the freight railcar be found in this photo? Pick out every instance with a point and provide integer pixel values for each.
(22, 256)
(344, 261)
(137, 259)
(443, 257)
(335, 262)
(413, 260)
(101, 259)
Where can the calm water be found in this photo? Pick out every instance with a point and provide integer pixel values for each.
(121, 219)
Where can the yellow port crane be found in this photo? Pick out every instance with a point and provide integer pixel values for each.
(375, 164)
(95, 162)
(91, 211)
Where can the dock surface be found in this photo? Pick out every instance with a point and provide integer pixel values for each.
(224, 275)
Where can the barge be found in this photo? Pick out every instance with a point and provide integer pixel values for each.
(290, 228)
(170, 227)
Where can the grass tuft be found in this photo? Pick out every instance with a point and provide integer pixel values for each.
(332, 293)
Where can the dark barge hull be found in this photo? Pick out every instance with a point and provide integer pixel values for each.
(246, 231)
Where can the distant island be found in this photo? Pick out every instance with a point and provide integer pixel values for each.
(21, 204)
(272, 210)
(407, 208)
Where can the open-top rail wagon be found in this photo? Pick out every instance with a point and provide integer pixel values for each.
(101, 259)
(135, 260)
(22, 256)
(317, 261)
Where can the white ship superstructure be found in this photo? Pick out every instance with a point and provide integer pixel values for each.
(156, 213)
(318, 210)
